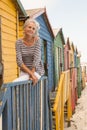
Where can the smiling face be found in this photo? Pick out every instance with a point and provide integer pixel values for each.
(30, 29)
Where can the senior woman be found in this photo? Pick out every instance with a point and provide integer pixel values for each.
(28, 52)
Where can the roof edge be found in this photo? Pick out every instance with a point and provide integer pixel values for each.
(21, 7)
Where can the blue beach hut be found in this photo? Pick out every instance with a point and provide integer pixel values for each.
(47, 37)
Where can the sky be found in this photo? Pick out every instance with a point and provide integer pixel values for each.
(70, 15)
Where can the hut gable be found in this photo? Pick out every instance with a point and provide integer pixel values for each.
(57, 33)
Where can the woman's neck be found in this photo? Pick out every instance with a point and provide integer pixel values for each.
(28, 41)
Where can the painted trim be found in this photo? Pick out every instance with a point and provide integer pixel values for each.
(20, 7)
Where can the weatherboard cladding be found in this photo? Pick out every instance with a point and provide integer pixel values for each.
(9, 13)
(66, 54)
(58, 56)
(45, 35)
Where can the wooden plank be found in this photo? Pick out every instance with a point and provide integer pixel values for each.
(21, 107)
(8, 37)
(9, 3)
(1, 122)
(8, 51)
(25, 108)
(10, 65)
(21, 34)
(21, 29)
(10, 72)
(7, 16)
(38, 104)
(14, 108)
(7, 8)
(21, 23)
(8, 44)
(9, 110)
(8, 30)
(28, 106)
(9, 23)
(7, 58)
(7, 79)
(9, 75)
(18, 108)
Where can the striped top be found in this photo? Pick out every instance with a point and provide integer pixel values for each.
(29, 55)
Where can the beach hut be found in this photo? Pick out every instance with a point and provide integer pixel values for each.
(59, 43)
(72, 58)
(75, 56)
(79, 74)
(67, 55)
(11, 14)
(47, 38)
(73, 77)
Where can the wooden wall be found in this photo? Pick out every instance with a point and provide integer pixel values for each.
(9, 34)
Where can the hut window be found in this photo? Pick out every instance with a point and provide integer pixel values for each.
(44, 54)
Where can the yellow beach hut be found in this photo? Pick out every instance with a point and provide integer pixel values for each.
(12, 15)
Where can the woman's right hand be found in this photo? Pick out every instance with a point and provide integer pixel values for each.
(34, 78)
(31, 73)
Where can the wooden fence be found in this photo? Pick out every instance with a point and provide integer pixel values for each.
(25, 107)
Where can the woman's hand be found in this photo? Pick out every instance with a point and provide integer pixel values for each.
(35, 79)
(31, 73)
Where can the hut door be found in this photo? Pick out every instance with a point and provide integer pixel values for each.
(59, 61)
(0, 56)
(57, 68)
(44, 55)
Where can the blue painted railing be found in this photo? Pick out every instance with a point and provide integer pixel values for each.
(24, 106)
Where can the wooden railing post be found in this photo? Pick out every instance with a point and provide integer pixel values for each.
(7, 113)
(1, 122)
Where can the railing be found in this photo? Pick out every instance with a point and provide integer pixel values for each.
(25, 107)
(63, 95)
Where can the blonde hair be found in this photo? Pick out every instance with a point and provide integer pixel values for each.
(33, 21)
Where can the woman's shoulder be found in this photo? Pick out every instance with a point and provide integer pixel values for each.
(19, 41)
(38, 41)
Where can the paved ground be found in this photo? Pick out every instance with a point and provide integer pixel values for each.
(79, 119)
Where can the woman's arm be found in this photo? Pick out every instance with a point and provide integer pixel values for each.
(20, 61)
(37, 54)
